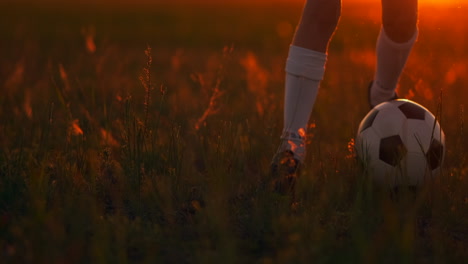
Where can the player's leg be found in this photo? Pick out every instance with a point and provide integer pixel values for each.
(305, 67)
(317, 24)
(396, 39)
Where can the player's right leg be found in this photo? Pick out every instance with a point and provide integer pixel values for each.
(395, 41)
(305, 68)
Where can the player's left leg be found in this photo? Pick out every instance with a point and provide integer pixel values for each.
(396, 39)
(305, 68)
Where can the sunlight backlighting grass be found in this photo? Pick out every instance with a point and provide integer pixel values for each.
(145, 136)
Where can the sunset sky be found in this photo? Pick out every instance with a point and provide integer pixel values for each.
(133, 2)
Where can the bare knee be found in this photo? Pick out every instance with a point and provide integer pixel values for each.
(317, 25)
(399, 19)
(400, 29)
(323, 13)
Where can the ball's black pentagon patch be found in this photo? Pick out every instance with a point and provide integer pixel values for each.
(369, 120)
(435, 154)
(392, 150)
(412, 111)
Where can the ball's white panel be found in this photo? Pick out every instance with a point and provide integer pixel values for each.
(367, 145)
(417, 170)
(437, 134)
(430, 118)
(390, 104)
(388, 122)
(368, 120)
(416, 135)
(434, 126)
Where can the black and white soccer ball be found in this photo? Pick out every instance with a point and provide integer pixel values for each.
(401, 143)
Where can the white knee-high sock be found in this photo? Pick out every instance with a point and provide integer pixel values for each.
(304, 71)
(391, 59)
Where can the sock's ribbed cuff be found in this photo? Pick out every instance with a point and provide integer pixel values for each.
(306, 63)
(398, 46)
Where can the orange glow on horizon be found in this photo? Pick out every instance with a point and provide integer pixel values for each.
(217, 2)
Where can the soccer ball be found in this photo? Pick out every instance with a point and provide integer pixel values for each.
(400, 143)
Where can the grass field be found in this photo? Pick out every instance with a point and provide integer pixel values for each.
(143, 135)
